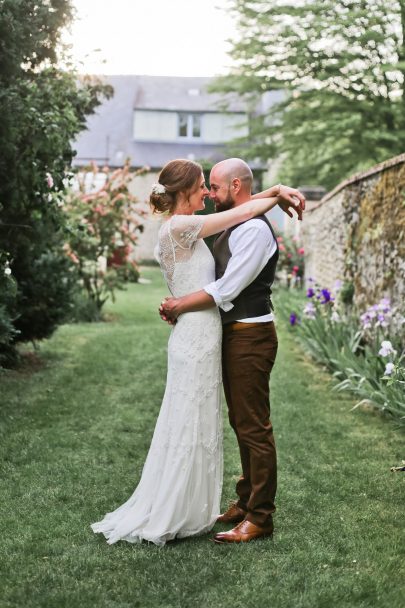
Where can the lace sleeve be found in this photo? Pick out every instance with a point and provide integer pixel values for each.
(185, 229)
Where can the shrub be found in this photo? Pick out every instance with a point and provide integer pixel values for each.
(103, 229)
(46, 285)
(291, 259)
(8, 292)
(42, 110)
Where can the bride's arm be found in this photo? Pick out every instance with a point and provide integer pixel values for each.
(285, 194)
(287, 198)
(217, 222)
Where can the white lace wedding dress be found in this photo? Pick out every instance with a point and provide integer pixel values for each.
(180, 488)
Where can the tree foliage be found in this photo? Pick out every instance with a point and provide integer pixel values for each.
(341, 66)
(42, 109)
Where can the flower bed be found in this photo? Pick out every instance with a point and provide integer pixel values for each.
(363, 350)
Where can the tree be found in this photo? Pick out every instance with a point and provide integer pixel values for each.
(42, 109)
(341, 65)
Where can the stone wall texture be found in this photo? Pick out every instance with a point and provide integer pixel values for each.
(356, 234)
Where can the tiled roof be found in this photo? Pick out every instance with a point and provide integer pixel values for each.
(109, 135)
(179, 93)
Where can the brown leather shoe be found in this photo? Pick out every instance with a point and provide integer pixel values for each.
(233, 515)
(243, 533)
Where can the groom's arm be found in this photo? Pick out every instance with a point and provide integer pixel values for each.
(252, 246)
(171, 308)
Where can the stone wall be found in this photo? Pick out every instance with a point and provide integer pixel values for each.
(356, 233)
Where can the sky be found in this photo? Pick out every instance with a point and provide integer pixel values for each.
(156, 37)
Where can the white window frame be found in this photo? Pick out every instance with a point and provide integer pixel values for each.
(190, 126)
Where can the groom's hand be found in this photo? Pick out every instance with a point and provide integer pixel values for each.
(168, 311)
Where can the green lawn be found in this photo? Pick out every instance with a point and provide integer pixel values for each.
(74, 435)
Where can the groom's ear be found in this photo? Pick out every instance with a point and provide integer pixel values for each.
(236, 185)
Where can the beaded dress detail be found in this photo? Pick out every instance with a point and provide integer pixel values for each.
(180, 488)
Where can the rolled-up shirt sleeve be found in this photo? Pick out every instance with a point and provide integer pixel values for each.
(251, 245)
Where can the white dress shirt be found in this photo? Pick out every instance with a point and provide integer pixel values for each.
(252, 245)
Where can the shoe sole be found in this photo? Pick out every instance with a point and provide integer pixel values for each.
(239, 542)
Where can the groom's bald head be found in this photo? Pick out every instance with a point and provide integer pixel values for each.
(230, 183)
(234, 168)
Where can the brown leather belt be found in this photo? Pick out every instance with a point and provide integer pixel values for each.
(237, 325)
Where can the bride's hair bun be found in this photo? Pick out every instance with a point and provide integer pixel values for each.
(177, 176)
(161, 200)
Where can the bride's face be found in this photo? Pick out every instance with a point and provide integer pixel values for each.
(196, 199)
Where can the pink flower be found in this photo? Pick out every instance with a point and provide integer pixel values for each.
(301, 251)
(296, 269)
(99, 209)
(279, 239)
(73, 257)
(281, 247)
(49, 180)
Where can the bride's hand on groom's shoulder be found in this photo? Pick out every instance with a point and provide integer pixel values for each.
(167, 310)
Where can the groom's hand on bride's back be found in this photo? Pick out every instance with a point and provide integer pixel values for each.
(167, 310)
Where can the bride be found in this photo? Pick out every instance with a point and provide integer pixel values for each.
(180, 488)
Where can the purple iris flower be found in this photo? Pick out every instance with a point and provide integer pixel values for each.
(293, 318)
(384, 305)
(326, 296)
(310, 292)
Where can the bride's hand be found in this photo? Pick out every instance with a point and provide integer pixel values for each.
(290, 198)
(287, 198)
(167, 310)
(286, 206)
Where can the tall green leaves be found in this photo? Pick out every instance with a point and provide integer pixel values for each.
(341, 64)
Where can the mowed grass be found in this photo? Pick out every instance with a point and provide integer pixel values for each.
(74, 435)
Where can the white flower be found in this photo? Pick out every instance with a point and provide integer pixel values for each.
(158, 188)
(389, 368)
(310, 310)
(49, 180)
(7, 270)
(335, 317)
(386, 349)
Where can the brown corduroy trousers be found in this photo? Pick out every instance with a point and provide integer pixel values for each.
(248, 354)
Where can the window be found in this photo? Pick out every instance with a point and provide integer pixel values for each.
(189, 125)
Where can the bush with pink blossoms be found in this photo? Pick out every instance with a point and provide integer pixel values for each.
(103, 230)
(291, 259)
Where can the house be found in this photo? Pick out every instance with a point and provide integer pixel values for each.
(154, 119)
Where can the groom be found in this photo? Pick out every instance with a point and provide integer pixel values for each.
(245, 263)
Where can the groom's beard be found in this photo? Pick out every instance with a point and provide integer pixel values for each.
(226, 204)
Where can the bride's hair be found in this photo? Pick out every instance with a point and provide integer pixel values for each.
(177, 176)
